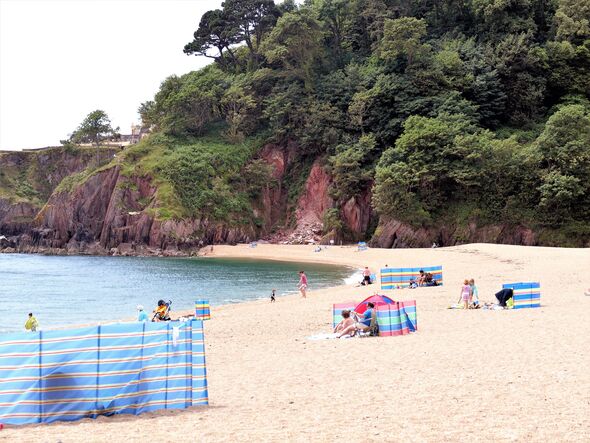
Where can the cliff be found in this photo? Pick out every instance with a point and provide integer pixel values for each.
(78, 201)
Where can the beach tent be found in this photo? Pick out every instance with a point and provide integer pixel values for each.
(377, 300)
(362, 246)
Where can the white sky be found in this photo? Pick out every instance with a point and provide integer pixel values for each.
(62, 59)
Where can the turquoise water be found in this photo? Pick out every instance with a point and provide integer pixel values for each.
(80, 289)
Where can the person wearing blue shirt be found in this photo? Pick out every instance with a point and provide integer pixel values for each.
(365, 323)
(142, 316)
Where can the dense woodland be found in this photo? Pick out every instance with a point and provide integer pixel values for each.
(448, 110)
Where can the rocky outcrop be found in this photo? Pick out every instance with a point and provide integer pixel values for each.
(40, 172)
(393, 233)
(16, 218)
(113, 213)
(357, 212)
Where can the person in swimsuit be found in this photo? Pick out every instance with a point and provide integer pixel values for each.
(466, 294)
(302, 284)
(346, 324)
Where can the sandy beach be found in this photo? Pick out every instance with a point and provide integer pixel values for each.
(520, 375)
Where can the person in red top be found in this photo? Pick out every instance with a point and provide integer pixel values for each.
(302, 284)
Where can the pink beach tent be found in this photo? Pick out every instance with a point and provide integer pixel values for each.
(377, 300)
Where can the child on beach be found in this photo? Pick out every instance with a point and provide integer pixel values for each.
(141, 314)
(32, 324)
(465, 294)
(474, 300)
(272, 296)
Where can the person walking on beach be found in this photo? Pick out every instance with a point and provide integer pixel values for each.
(272, 296)
(32, 324)
(466, 294)
(302, 284)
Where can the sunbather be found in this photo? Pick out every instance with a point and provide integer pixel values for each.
(347, 321)
(363, 325)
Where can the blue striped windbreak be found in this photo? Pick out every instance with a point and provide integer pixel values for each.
(125, 368)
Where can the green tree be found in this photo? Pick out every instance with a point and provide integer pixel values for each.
(573, 20)
(351, 167)
(95, 128)
(250, 20)
(237, 105)
(294, 44)
(185, 105)
(335, 14)
(424, 169)
(564, 148)
(403, 37)
(216, 30)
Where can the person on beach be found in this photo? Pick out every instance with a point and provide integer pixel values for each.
(366, 277)
(302, 284)
(421, 278)
(465, 294)
(345, 323)
(141, 314)
(161, 312)
(474, 300)
(272, 296)
(32, 324)
(363, 324)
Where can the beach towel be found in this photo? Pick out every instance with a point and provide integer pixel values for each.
(325, 336)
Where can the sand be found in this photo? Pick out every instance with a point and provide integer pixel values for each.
(521, 375)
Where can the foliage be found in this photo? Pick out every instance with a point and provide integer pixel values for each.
(94, 129)
(447, 110)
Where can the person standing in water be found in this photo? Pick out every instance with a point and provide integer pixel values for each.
(32, 324)
(302, 284)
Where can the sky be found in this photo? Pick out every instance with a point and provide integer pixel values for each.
(62, 59)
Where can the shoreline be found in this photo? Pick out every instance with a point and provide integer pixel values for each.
(502, 376)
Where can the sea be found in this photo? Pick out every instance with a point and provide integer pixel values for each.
(76, 290)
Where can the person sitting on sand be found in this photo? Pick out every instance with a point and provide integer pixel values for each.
(161, 312)
(474, 300)
(363, 324)
(465, 294)
(421, 278)
(346, 321)
(366, 276)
